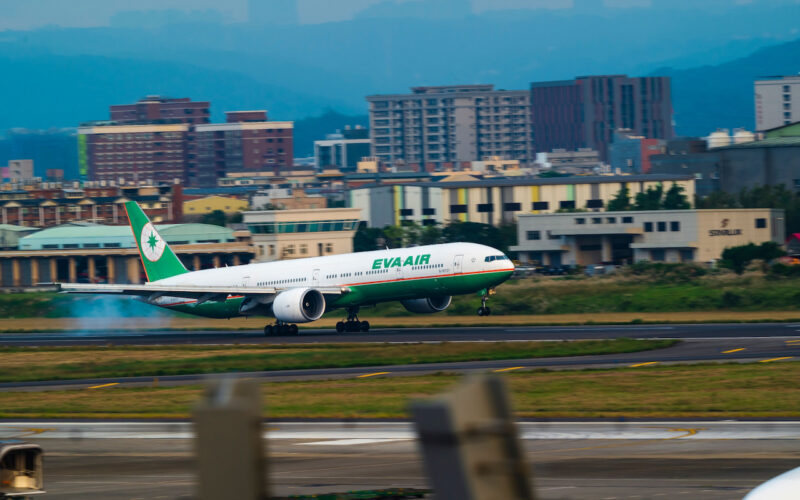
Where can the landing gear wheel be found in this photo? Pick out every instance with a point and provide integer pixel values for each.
(364, 326)
(269, 330)
(483, 310)
(340, 327)
(293, 329)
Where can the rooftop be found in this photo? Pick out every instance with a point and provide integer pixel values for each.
(536, 181)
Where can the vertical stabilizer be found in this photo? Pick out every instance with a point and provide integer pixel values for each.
(158, 259)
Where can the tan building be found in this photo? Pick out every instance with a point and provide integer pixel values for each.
(293, 234)
(202, 206)
(656, 235)
(286, 199)
(497, 201)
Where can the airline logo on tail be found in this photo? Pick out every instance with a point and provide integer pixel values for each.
(152, 244)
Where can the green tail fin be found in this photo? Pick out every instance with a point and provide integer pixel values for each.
(157, 257)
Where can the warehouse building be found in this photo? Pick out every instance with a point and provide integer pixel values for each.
(91, 253)
(658, 235)
(498, 201)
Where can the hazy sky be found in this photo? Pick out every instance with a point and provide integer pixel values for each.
(25, 14)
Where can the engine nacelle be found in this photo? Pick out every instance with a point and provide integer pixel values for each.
(298, 305)
(428, 305)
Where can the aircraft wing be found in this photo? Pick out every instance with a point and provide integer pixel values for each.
(154, 290)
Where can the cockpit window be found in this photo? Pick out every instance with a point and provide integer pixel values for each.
(493, 258)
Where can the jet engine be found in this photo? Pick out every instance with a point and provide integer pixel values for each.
(428, 305)
(298, 305)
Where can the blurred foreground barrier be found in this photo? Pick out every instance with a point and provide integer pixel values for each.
(470, 445)
(20, 469)
(230, 448)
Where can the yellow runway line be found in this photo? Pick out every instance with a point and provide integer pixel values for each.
(372, 374)
(508, 369)
(734, 350)
(104, 385)
(643, 364)
(792, 341)
(775, 359)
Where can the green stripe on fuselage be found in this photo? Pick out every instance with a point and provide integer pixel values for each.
(409, 288)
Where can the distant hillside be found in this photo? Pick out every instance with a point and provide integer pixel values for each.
(721, 96)
(44, 91)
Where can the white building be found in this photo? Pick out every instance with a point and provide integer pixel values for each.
(777, 102)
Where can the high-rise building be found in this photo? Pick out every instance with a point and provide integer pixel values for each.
(247, 142)
(155, 109)
(272, 12)
(439, 128)
(342, 150)
(162, 140)
(133, 153)
(586, 111)
(777, 102)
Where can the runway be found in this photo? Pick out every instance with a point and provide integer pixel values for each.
(569, 460)
(768, 342)
(490, 333)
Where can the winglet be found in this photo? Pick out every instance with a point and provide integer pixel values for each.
(158, 259)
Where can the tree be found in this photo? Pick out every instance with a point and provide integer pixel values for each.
(366, 238)
(621, 201)
(675, 199)
(431, 235)
(717, 199)
(216, 218)
(738, 257)
(650, 199)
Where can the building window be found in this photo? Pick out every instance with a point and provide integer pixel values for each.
(761, 223)
(594, 204)
(611, 220)
(648, 227)
(534, 235)
(597, 220)
(580, 220)
(687, 255)
(458, 209)
(566, 205)
(485, 207)
(512, 207)
(675, 226)
(428, 211)
(657, 255)
(406, 212)
(328, 247)
(662, 226)
(590, 248)
(540, 205)
(627, 220)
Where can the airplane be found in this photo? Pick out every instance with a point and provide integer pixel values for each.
(422, 278)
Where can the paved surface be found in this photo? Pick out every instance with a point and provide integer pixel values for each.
(569, 460)
(699, 331)
(701, 343)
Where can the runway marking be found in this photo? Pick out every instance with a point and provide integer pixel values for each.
(351, 442)
(792, 341)
(734, 350)
(775, 359)
(104, 385)
(508, 369)
(372, 374)
(643, 364)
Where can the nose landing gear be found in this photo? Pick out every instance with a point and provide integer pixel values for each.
(280, 328)
(483, 310)
(352, 324)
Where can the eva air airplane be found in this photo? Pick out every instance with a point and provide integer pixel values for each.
(422, 278)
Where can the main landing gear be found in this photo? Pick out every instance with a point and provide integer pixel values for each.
(483, 310)
(280, 328)
(352, 324)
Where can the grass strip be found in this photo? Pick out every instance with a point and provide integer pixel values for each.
(733, 390)
(19, 364)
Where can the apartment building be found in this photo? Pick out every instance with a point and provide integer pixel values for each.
(777, 102)
(585, 112)
(443, 128)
